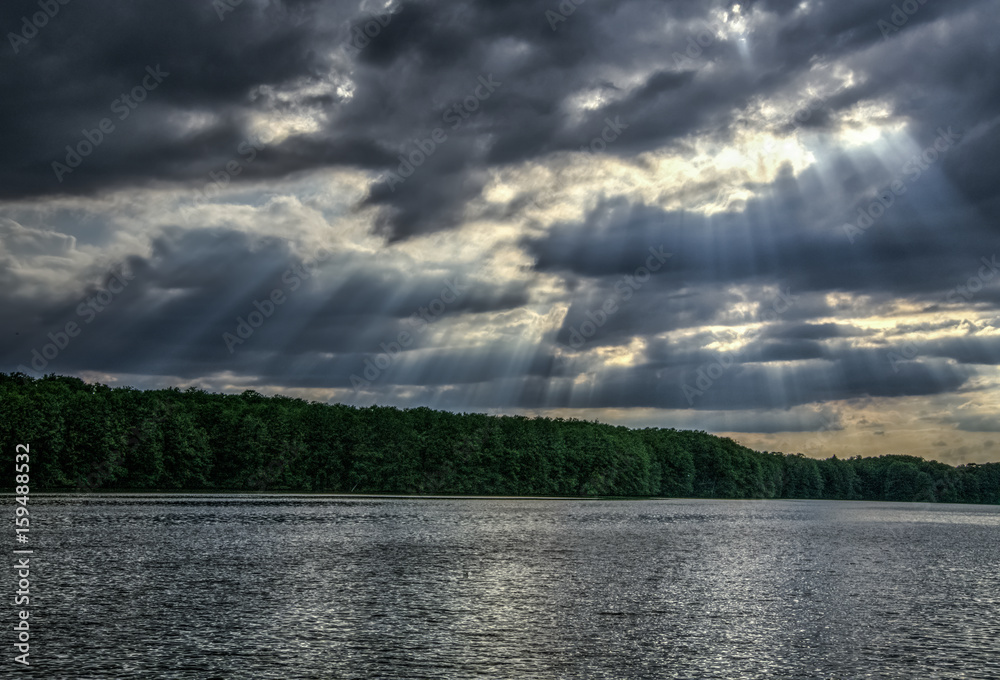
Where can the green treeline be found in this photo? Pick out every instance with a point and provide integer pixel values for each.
(87, 437)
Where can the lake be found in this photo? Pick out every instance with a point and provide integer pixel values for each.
(237, 586)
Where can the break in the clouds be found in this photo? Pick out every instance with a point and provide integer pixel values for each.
(777, 220)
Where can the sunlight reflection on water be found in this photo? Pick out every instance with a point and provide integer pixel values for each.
(289, 587)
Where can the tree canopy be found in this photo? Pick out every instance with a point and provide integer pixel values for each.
(89, 437)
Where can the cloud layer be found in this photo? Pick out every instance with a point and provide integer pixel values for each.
(775, 218)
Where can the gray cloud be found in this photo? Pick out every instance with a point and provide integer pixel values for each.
(290, 68)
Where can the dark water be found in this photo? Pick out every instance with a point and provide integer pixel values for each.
(299, 587)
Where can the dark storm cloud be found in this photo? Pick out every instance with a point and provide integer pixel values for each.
(536, 391)
(425, 59)
(977, 423)
(377, 101)
(909, 253)
(176, 305)
(965, 350)
(172, 314)
(749, 387)
(812, 331)
(75, 71)
(654, 308)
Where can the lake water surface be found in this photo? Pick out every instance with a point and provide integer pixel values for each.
(323, 587)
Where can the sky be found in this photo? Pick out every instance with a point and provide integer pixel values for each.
(776, 221)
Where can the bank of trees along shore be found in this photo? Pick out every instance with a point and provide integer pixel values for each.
(90, 437)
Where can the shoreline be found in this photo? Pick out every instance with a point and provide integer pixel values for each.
(243, 495)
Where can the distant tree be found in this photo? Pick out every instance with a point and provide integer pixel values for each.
(90, 437)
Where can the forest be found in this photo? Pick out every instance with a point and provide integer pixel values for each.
(91, 437)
